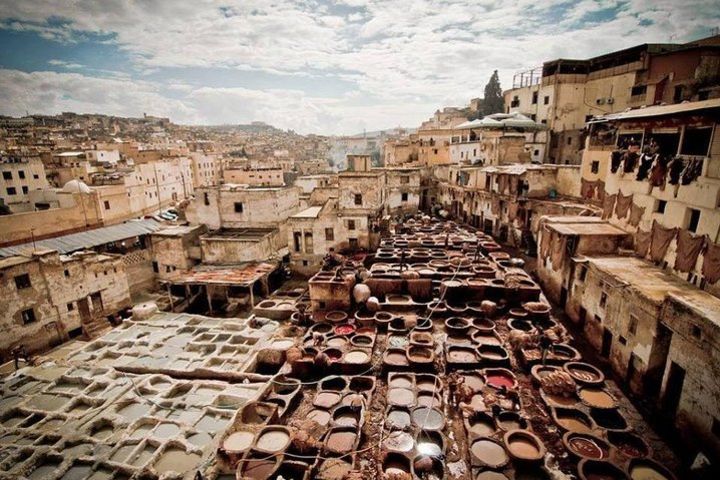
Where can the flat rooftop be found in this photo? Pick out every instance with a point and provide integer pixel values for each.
(655, 284)
(243, 234)
(241, 275)
(592, 228)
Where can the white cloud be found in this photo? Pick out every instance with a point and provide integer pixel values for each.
(400, 55)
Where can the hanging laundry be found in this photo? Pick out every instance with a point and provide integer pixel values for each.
(615, 160)
(557, 250)
(659, 171)
(629, 161)
(711, 263)
(692, 171)
(661, 239)
(608, 205)
(646, 161)
(622, 205)
(642, 242)
(688, 250)
(636, 214)
(587, 189)
(676, 167)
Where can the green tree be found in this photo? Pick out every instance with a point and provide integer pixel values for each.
(493, 101)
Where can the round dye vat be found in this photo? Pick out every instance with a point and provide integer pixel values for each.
(427, 399)
(482, 426)
(584, 372)
(238, 441)
(341, 441)
(524, 446)
(356, 357)
(259, 469)
(396, 357)
(461, 355)
(599, 470)
(344, 329)
(597, 398)
(403, 397)
(509, 421)
(399, 441)
(322, 417)
(490, 475)
(573, 420)
(399, 419)
(475, 382)
(500, 380)
(427, 383)
(272, 440)
(648, 470)
(337, 342)
(586, 446)
(629, 445)
(326, 399)
(489, 453)
(428, 418)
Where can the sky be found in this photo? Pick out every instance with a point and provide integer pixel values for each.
(327, 67)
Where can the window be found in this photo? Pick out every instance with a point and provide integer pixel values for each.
(404, 179)
(569, 140)
(638, 90)
(515, 102)
(695, 331)
(7, 175)
(660, 206)
(546, 100)
(329, 234)
(305, 263)
(535, 98)
(632, 325)
(353, 243)
(435, 150)
(533, 117)
(25, 189)
(21, 173)
(207, 198)
(297, 241)
(70, 307)
(622, 340)
(107, 205)
(582, 273)
(22, 281)
(238, 207)
(36, 176)
(309, 243)
(678, 94)
(536, 152)
(715, 429)
(595, 166)
(28, 316)
(11, 190)
(603, 299)
(704, 95)
(696, 141)
(67, 273)
(351, 224)
(155, 267)
(358, 199)
(693, 218)
(404, 197)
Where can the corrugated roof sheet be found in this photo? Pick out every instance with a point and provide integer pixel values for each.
(311, 212)
(89, 239)
(659, 110)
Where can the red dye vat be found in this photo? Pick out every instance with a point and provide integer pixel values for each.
(344, 329)
(499, 381)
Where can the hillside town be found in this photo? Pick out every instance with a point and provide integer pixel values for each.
(527, 290)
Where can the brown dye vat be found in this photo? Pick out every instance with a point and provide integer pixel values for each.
(336, 384)
(565, 352)
(420, 355)
(649, 470)
(483, 325)
(489, 453)
(561, 400)
(538, 372)
(428, 399)
(510, 421)
(362, 384)
(629, 444)
(238, 441)
(175, 459)
(584, 373)
(524, 446)
(461, 355)
(520, 324)
(482, 425)
(399, 441)
(321, 328)
(401, 397)
(398, 418)
(492, 352)
(337, 342)
(609, 419)
(597, 398)
(272, 439)
(340, 440)
(427, 383)
(490, 475)
(586, 446)
(346, 417)
(356, 357)
(400, 381)
(322, 417)
(428, 418)
(421, 339)
(326, 399)
(396, 465)
(259, 468)
(599, 470)
(573, 420)
(474, 381)
(395, 357)
(457, 325)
